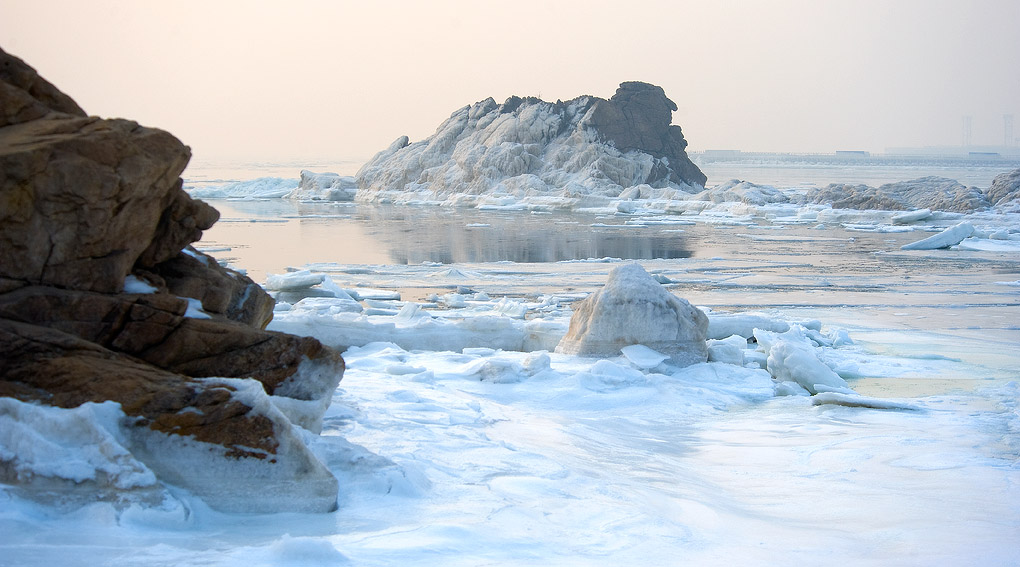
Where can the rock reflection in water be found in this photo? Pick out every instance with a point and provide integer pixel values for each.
(413, 235)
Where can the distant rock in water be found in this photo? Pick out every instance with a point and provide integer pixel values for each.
(102, 299)
(1005, 188)
(526, 147)
(934, 193)
(634, 309)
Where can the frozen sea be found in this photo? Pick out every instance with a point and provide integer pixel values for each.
(460, 438)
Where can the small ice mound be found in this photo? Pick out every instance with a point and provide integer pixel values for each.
(792, 358)
(948, 237)
(634, 309)
(302, 279)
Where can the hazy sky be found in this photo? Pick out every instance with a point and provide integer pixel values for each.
(341, 80)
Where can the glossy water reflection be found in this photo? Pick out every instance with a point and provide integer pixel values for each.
(270, 235)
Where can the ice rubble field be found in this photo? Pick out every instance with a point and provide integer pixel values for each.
(460, 437)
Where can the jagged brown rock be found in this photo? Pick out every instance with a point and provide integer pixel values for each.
(84, 202)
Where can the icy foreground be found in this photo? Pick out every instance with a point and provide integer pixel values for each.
(473, 453)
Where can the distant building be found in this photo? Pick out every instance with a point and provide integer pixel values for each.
(852, 154)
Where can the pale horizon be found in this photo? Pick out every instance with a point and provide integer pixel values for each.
(341, 80)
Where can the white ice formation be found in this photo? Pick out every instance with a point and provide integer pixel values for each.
(634, 309)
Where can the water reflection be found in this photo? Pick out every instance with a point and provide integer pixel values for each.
(350, 233)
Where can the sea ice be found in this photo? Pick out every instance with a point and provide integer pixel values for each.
(292, 281)
(792, 358)
(948, 237)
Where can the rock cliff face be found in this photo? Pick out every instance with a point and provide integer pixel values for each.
(587, 147)
(103, 299)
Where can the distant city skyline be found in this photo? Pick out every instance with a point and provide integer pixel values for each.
(341, 80)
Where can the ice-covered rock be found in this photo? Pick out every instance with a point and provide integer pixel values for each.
(948, 237)
(934, 193)
(634, 309)
(324, 187)
(738, 191)
(576, 150)
(1005, 188)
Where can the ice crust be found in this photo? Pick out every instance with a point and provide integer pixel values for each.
(465, 449)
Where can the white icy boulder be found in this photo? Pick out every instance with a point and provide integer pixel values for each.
(634, 309)
(948, 237)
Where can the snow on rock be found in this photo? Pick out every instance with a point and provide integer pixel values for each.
(935, 193)
(324, 187)
(948, 237)
(292, 281)
(71, 457)
(792, 358)
(578, 153)
(634, 309)
(1005, 188)
(288, 478)
(260, 188)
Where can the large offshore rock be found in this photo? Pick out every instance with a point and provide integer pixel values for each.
(208, 399)
(934, 193)
(587, 147)
(634, 309)
(1005, 188)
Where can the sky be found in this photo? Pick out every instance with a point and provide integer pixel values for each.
(338, 80)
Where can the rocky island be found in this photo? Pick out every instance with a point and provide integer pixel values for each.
(581, 149)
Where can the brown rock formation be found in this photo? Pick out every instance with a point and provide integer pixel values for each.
(85, 202)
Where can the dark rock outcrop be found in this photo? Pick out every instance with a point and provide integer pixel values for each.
(84, 204)
(935, 193)
(638, 117)
(1005, 188)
